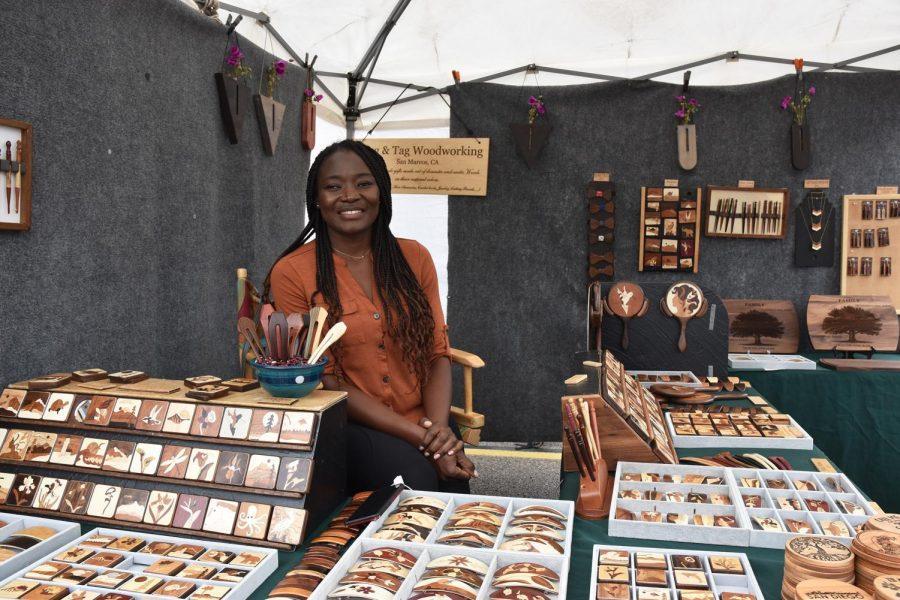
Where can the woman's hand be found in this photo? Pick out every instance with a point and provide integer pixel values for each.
(439, 440)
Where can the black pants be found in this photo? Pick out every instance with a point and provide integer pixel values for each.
(375, 458)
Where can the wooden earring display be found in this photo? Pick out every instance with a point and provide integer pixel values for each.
(15, 174)
(870, 229)
(684, 301)
(626, 300)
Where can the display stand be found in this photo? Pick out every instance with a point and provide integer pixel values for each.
(870, 246)
(284, 457)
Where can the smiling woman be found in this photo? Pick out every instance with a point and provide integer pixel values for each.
(394, 360)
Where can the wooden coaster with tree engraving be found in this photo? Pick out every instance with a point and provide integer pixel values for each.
(886, 522)
(626, 300)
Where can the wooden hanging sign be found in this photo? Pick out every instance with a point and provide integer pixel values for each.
(887, 189)
(601, 176)
(442, 166)
(817, 184)
(746, 184)
(670, 183)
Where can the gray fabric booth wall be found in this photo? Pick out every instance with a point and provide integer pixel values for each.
(517, 268)
(142, 210)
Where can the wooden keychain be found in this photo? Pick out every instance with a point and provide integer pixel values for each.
(626, 300)
(684, 301)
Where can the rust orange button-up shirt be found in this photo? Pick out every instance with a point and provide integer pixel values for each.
(371, 359)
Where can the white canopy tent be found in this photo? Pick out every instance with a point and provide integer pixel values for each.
(424, 40)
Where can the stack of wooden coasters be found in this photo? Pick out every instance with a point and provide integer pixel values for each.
(818, 558)
(828, 589)
(884, 522)
(887, 587)
(323, 553)
(877, 553)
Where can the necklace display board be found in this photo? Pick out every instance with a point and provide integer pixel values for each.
(653, 338)
(815, 224)
(870, 246)
(245, 467)
(765, 326)
(601, 228)
(670, 228)
(859, 323)
(630, 424)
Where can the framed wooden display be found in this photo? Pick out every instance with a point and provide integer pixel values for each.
(755, 213)
(762, 326)
(870, 246)
(15, 174)
(859, 323)
(669, 235)
(165, 462)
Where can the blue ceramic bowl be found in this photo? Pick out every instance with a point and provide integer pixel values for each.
(291, 381)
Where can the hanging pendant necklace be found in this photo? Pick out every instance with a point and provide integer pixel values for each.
(814, 243)
(350, 256)
(817, 212)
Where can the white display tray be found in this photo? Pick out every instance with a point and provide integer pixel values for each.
(134, 562)
(719, 582)
(694, 382)
(718, 441)
(744, 534)
(493, 557)
(66, 531)
(770, 362)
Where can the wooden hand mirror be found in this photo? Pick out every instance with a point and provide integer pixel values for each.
(626, 300)
(684, 301)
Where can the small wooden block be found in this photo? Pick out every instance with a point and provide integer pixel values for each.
(202, 380)
(770, 410)
(576, 379)
(89, 375)
(670, 183)
(591, 363)
(746, 183)
(887, 189)
(48, 382)
(817, 184)
(208, 392)
(876, 508)
(712, 380)
(240, 384)
(603, 177)
(758, 401)
(734, 380)
(127, 376)
(823, 465)
(154, 386)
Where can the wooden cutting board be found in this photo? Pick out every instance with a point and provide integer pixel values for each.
(852, 322)
(762, 326)
(860, 364)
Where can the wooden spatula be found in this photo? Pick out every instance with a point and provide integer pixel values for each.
(278, 335)
(265, 313)
(317, 317)
(333, 335)
(247, 328)
(295, 327)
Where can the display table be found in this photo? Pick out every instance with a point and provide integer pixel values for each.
(852, 416)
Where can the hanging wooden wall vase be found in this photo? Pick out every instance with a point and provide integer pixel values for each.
(234, 102)
(687, 146)
(270, 114)
(800, 145)
(308, 111)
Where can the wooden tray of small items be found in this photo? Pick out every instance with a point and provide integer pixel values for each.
(870, 246)
(670, 223)
(129, 458)
(753, 213)
(629, 421)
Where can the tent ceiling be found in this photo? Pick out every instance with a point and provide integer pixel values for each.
(624, 38)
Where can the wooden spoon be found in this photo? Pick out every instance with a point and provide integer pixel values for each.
(265, 313)
(317, 317)
(333, 335)
(684, 301)
(626, 300)
(247, 328)
(295, 327)
(672, 391)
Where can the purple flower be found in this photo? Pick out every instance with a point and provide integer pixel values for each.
(680, 98)
(785, 102)
(680, 113)
(540, 108)
(280, 67)
(533, 101)
(308, 92)
(812, 90)
(693, 102)
(318, 97)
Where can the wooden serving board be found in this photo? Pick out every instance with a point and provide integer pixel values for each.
(762, 326)
(857, 322)
(860, 364)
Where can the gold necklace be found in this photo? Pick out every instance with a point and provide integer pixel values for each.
(361, 257)
(816, 244)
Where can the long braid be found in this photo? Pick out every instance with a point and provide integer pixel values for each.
(407, 311)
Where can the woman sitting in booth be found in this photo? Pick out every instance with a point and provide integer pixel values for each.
(393, 362)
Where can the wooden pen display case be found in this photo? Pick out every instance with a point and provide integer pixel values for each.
(129, 565)
(629, 421)
(734, 507)
(489, 559)
(670, 229)
(176, 464)
(683, 574)
(751, 213)
(16, 142)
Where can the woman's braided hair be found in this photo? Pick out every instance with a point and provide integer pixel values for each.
(407, 311)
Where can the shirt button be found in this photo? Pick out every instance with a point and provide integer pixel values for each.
(377, 316)
(385, 379)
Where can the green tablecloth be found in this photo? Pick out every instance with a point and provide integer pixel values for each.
(768, 565)
(853, 416)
